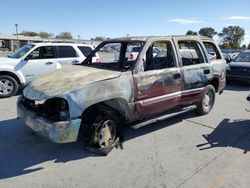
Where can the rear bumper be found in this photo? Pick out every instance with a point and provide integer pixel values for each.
(58, 132)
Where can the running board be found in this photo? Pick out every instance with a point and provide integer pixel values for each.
(163, 117)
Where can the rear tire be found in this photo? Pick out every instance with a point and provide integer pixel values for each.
(8, 86)
(207, 102)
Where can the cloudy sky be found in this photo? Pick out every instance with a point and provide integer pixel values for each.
(113, 18)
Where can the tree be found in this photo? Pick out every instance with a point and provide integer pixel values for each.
(233, 36)
(29, 33)
(208, 32)
(99, 38)
(64, 35)
(190, 32)
(45, 34)
(248, 47)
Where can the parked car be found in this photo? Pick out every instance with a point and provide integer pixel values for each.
(98, 99)
(34, 60)
(239, 68)
(227, 57)
(132, 52)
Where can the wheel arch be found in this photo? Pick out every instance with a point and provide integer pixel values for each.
(215, 83)
(11, 74)
(118, 105)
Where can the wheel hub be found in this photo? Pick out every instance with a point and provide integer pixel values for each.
(207, 100)
(106, 134)
(6, 86)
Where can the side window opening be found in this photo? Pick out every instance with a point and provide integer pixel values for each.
(213, 52)
(191, 53)
(66, 52)
(45, 52)
(160, 55)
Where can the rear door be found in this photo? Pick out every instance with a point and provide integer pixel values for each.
(195, 68)
(158, 86)
(67, 55)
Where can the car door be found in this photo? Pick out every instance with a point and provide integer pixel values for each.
(67, 55)
(158, 86)
(40, 61)
(195, 68)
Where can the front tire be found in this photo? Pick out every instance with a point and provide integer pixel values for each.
(207, 102)
(8, 86)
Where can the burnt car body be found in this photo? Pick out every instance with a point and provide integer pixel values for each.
(239, 68)
(100, 98)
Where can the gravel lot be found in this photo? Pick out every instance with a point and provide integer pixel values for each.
(186, 151)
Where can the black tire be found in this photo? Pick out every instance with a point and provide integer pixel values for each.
(8, 86)
(207, 102)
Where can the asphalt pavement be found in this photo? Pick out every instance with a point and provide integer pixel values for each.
(186, 151)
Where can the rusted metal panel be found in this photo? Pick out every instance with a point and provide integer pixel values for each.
(153, 91)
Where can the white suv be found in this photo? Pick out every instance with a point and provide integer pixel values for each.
(34, 60)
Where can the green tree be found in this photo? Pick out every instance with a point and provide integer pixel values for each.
(190, 32)
(64, 35)
(208, 32)
(45, 34)
(99, 38)
(232, 36)
(29, 33)
(248, 47)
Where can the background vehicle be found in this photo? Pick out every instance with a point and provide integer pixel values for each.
(34, 60)
(133, 51)
(99, 98)
(227, 57)
(239, 68)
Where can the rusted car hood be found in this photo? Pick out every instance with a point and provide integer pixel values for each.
(66, 80)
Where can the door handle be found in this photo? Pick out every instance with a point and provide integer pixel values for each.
(49, 63)
(75, 62)
(177, 76)
(206, 71)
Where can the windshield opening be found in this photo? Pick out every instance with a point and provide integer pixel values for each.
(21, 51)
(115, 55)
(243, 57)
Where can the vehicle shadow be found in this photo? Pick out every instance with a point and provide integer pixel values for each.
(131, 133)
(236, 86)
(22, 151)
(229, 133)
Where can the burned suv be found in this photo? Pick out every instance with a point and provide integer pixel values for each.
(97, 99)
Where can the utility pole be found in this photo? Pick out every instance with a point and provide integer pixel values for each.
(16, 31)
(78, 38)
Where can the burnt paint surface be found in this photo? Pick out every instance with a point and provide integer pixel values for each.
(154, 89)
(138, 94)
(58, 132)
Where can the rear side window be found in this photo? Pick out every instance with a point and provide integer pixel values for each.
(85, 50)
(66, 52)
(191, 53)
(213, 52)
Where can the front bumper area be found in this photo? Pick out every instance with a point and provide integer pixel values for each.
(58, 132)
